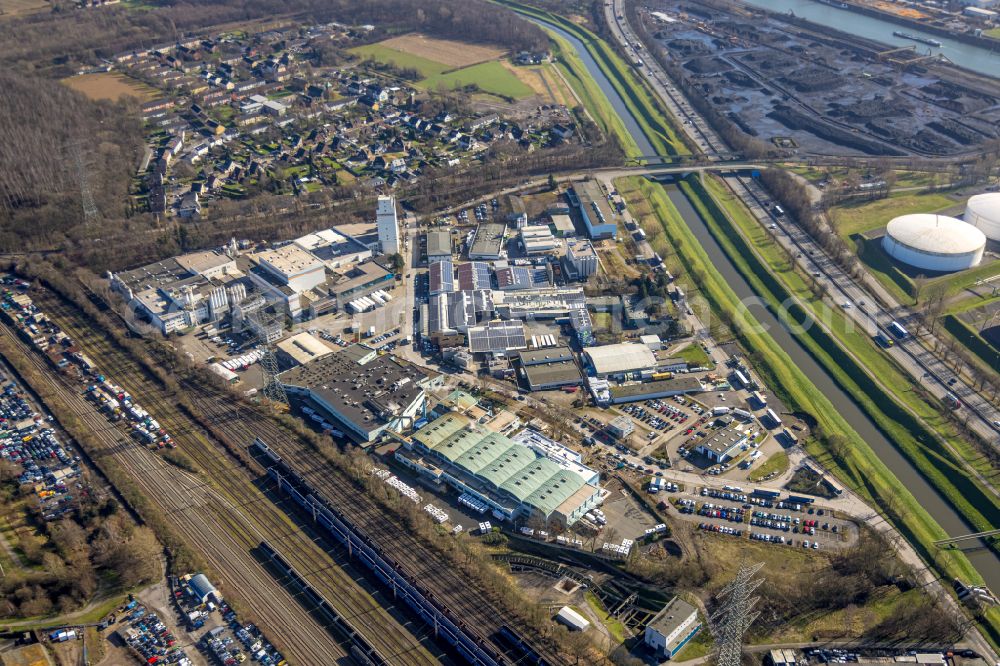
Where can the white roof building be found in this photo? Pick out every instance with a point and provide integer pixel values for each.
(572, 619)
(620, 358)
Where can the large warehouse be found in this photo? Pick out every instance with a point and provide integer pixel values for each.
(510, 477)
(934, 242)
(360, 392)
(983, 212)
(614, 361)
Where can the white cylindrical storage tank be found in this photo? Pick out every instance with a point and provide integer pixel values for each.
(934, 242)
(983, 212)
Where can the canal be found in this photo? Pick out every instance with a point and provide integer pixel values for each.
(986, 561)
(964, 55)
(645, 147)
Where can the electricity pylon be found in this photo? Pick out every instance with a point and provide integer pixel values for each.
(736, 614)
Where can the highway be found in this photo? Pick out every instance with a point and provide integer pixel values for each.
(696, 128)
(866, 312)
(914, 353)
(913, 356)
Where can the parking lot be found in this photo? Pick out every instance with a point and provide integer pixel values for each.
(29, 440)
(788, 523)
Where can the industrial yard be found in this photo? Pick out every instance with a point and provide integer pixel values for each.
(790, 85)
(389, 360)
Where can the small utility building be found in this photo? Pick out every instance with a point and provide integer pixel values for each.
(203, 590)
(672, 628)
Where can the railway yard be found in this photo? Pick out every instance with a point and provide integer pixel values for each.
(222, 513)
(230, 512)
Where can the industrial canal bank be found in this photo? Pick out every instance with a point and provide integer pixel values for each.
(985, 561)
(969, 56)
(617, 103)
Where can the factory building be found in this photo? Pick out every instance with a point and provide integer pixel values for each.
(546, 303)
(487, 243)
(334, 249)
(514, 480)
(549, 368)
(496, 338)
(580, 260)
(438, 246)
(620, 360)
(726, 443)
(934, 242)
(473, 275)
(300, 349)
(663, 388)
(388, 225)
(441, 277)
(590, 203)
(358, 281)
(184, 291)
(291, 265)
(538, 239)
(360, 392)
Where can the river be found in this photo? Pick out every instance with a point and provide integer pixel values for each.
(986, 561)
(964, 55)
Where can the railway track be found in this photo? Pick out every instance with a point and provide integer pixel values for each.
(189, 505)
(244, 513)
(473, 607)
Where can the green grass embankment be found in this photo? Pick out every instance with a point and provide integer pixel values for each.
(857, 465)
(591, 96)
(634, 91)
(973, 341)
(927, 422)
(865, 374)
(903, 427)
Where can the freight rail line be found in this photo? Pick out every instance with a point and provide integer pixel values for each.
(453, 591)
(190, 506)
(243, 498)
(475, 650)
(432, 568)
(362, 651)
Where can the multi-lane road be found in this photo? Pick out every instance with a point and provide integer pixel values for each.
(912, 354)
(868, 314)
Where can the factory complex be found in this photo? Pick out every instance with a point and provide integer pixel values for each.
(321, 272)
(524, 477)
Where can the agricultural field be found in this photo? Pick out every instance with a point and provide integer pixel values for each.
(546, 83)
(10, 8)
(452, 55)
(109, 86)
(491, 77)
(449, 64)
(381, 53)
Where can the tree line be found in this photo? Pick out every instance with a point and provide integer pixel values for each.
(65, 37)
(54, 142)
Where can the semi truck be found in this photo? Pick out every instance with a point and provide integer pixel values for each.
(896, 329)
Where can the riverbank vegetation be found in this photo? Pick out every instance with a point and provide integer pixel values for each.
(634, 91)
(835, 443)
(595, 102)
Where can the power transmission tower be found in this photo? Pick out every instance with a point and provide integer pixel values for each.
(262, 323)
(737, 613)
(86, 197)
